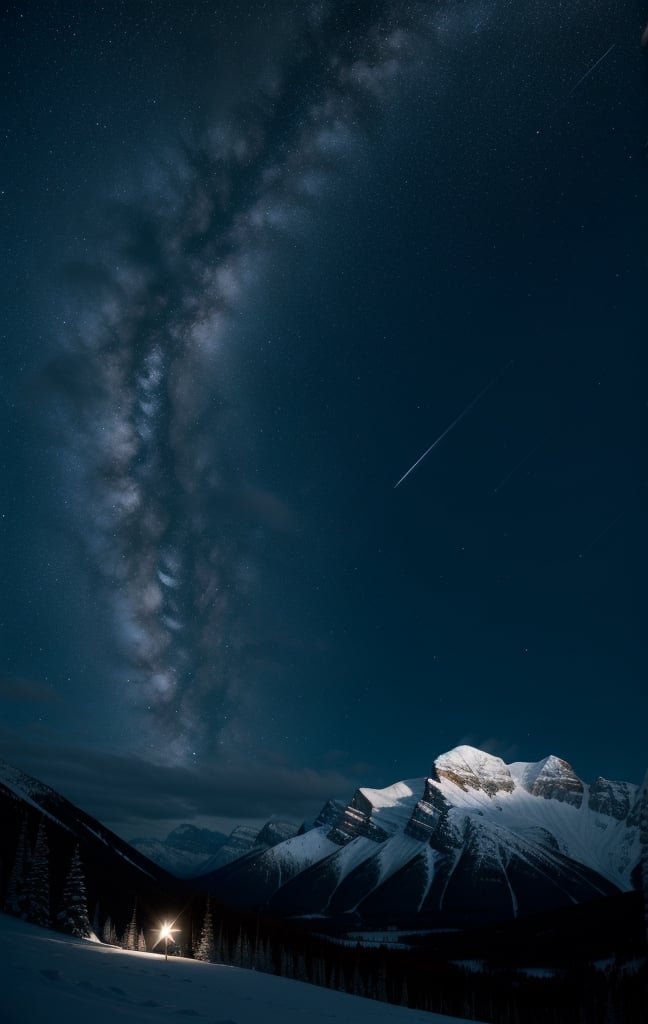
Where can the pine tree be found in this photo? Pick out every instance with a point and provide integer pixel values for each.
(286, 967)
(15, 900)
(404, 1000)
(109, 934)
(318, 972)
(96, 920)
(357, 984)
(300, 972)
(206, 949)
(238, 951)
(141, 942)
(37, 890)
(73, 915)
(264, 958)
(380, 988)
(221, 947)
(129, 940)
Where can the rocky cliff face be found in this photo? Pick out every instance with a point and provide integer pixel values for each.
(329, 814)
(430, 820)
(611, 798)
(274, 832)
(355, 821)
(552, 779)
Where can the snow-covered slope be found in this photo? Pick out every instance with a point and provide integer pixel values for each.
(478, 839)
(26, 792)
(45, 976)
(116, 875)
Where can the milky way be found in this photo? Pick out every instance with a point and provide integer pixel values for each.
(159, 449)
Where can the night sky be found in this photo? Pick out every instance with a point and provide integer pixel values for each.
(258, 257)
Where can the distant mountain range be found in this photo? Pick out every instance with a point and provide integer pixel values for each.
(478, 840)
(188, 851)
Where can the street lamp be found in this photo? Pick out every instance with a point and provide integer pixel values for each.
(166, 933)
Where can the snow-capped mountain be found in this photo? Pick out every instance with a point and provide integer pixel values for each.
(477, 840)
(189, 851)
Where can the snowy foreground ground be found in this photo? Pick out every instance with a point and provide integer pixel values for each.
(45, 976)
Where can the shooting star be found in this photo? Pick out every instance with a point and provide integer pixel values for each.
(517, 466)
(561, 103)
(447, 430)
(590, 70)
(601, 535)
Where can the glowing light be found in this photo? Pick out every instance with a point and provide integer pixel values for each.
(166, 933)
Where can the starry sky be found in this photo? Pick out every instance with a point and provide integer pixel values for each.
(258, 258)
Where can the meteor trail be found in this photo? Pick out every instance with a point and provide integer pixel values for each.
(517, 465)
(565, 100)
(454, 422)
(599, 536)
(589, 70)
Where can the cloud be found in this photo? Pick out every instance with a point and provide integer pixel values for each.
(29, 691)
(131, 794)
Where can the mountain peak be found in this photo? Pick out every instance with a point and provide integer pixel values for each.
(551, 778)
(470, 768)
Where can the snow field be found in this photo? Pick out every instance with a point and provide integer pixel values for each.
(45, 976)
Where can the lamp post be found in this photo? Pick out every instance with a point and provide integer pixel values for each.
(166, 933)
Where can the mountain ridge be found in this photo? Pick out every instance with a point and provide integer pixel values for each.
(475, 839)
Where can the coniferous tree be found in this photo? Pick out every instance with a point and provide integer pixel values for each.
(264, 958)
(299, 971)
(242, 953)
(380, 989)
(129, 940)
(237, 950)
(109, 934)
(206, 948)
(15, 899)
(222, 956)
(315, 976)
(37, 889)
(357, 984)
(285, 963)
(141, 942)
(404, 1000)
(73, 915)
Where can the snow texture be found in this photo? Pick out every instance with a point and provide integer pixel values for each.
(47, 976)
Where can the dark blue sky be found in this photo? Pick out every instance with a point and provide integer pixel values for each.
(256, 262)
